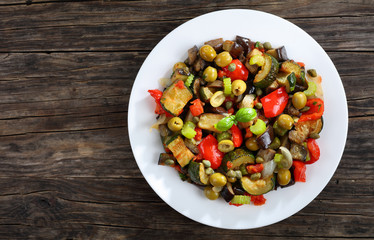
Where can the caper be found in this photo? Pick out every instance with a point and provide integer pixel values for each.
(312, 72)
(239, 174)
(218, 180)
(206, 163)
(255, 176)
(231, 173)
(275, 144)
(223, 59)
(169, 162)
(283, 176)
(285, 121)
(314, 135)
(228, 105)
(175, 124)
(207, 53)
(209, 171)
(238, 87)
(231, 67)
(210, 74)
(267, 45)
(181, 65)
(259, 159)
(226, 146)
(258, 105)
(210, 194)
(299, 100)
(258, 91)
(251, 144)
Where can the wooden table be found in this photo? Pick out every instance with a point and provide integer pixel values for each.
(66, 166)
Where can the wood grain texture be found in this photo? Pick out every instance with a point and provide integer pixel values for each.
(66, 166)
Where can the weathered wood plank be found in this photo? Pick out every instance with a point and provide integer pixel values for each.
(71, 26)
(82, 206)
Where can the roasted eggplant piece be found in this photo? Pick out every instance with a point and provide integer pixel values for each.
(298, 152)
(236, 50)
(265, 139)
(190, 145)
(217, 44)
(192, 55)
(245, 43)
(227, 193)
(166, 159)
(266, 154)
(279, 53)
(196, 87)
(199, 64)
(228, 45)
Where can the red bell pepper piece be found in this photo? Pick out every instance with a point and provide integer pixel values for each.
(313, 149)
(256, 168)
(248, 133)
(236, 136)
(240, 72)
(209, 149)
(196, 108)
(199, 134)
(299, 171)
(315, 112)
(157, 94)
(275, 102)
(258, 200)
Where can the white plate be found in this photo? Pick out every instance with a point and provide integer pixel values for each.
(189, 199)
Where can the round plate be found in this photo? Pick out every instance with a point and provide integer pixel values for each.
(188, 199)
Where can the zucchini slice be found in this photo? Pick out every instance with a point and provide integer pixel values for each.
(237, 157)
(180, 151)
(268, 72)
(197, 173)
(259, 186)
(175, 98)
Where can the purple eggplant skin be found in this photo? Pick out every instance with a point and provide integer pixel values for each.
(245, 42)
(265, 139)
(227, 194)
(192, 54)
(217, 44)
(236, 50)
(282, 53)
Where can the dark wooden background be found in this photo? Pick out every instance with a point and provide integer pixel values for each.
(66, 166)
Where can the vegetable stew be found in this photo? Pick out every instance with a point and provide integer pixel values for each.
(240, 118)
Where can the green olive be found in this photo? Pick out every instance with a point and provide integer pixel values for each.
(231, 179)
(175, 124)
(217, 99)
(223, 59)
(210, 194)
(238, 87)
(210, 74)
(226, 146)
(285, 121)
(284, 176)
(181, 65)
(251, 144)
(218, 180)
(207, 53)
(299, 100)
